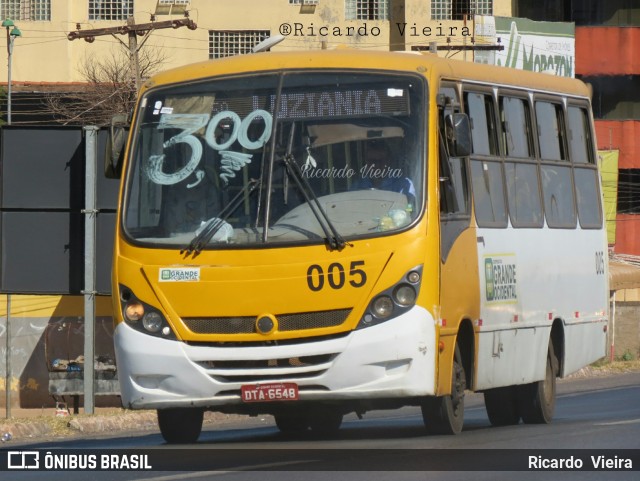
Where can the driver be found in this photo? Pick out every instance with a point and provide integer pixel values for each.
(382, 170)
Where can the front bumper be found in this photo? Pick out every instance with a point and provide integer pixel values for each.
(395, 359)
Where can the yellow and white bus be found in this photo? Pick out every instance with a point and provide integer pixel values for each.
(312, 234)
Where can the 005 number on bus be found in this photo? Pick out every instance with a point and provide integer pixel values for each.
(336, 276)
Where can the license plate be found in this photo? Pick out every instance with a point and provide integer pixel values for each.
(281, 391)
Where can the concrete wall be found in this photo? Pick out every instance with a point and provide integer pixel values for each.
(42, 330)
(626, 339)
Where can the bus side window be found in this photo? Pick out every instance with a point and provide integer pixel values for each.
(557, 187)
(454, 190)
(486, 176)
(588, 196)
(516, 127)
(454, 199)
(557, 191)
(523, 193)
(579, 138)
(488, 193)
(584, 174)
(550, 131)
(480, 109)
(521, 168)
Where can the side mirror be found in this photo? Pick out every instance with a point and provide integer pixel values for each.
(458, 134)
(114, 148)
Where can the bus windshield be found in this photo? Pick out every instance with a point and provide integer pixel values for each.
(263, 159)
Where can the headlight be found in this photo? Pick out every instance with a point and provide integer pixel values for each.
(142, 316)
(152, 321)
(394, 301)
(405, 295)
(382, 307)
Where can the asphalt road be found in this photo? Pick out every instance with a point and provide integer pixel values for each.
(596, 419)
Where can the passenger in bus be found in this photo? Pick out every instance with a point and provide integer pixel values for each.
(384, 171)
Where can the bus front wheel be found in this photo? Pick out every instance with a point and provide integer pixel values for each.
(290, 423)
(445, 414)
(180, 425)
(325, 420)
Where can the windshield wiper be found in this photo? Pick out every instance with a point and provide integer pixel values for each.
(333, 239)
(216, 223)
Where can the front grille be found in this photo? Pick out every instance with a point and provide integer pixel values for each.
(221, 325)
(303, 361)
(312, 320)
(265, 369)
(286, 322)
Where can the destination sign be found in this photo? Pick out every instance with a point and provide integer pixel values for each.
(321, 104)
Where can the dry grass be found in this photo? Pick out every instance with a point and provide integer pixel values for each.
(605, 367)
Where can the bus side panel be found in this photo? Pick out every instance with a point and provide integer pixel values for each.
(586, 331)
(529, 278)
(459, 300)
(585, 343)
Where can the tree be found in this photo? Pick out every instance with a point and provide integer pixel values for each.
(109, 90)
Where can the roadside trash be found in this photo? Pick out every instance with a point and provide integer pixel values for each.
(61, 410)
(6, 437)
(69, 365)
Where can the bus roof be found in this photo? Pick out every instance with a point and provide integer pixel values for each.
(428, 64)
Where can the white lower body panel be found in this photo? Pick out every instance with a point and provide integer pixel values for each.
(529, 279)
(395, 359)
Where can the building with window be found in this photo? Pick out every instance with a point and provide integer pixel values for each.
(45, 60)
(607, 57)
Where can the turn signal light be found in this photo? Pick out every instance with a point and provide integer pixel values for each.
(134, 311)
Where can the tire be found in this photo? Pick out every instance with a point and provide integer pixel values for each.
(445, 414)
(537, 401)
(502, 406)
(325, 420)
(180, 425)
(291, 423)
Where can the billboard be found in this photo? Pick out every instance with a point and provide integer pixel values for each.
(528, 45)
(42, 197)
(608, 160)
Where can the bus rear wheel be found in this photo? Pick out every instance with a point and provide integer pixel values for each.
(445, 414)
(502, 406)
(180, 425)
(537, 400)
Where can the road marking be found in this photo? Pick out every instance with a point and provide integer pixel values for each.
(615, 423)
(177, 477)
(201, 474)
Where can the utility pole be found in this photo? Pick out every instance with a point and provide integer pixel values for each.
(132, 30)
(397, 16)
(433, 47)
(133, 51)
